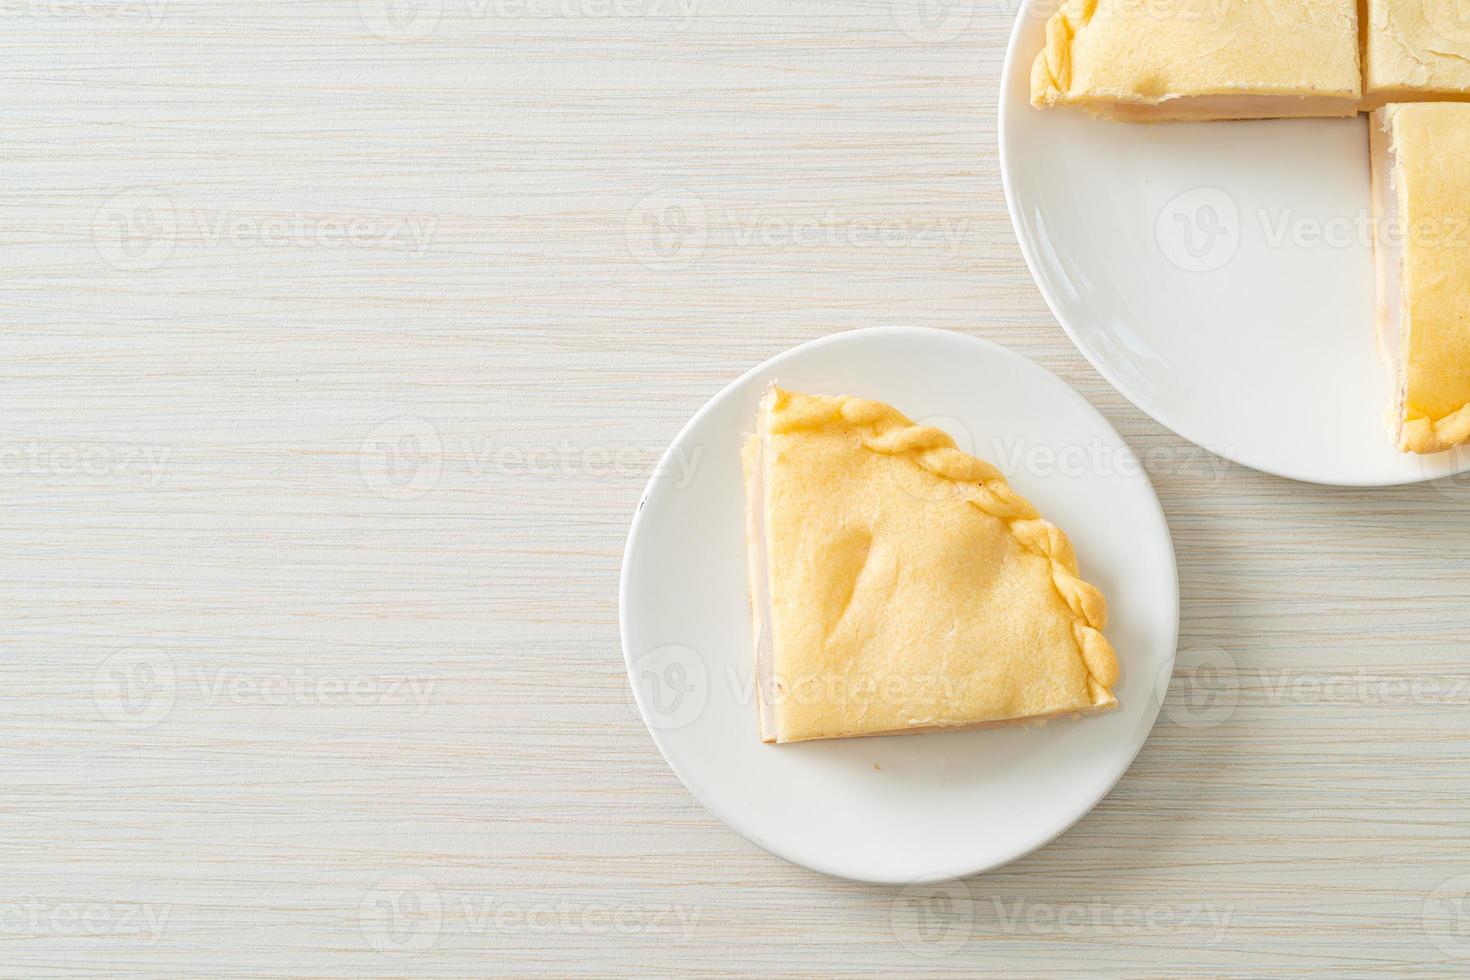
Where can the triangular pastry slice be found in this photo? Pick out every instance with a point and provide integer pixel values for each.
(1421, 195)
(899, 585)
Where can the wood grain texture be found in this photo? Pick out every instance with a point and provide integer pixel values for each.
(340, 339)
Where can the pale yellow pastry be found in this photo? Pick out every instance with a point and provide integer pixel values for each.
(899, 585)
(1421, 194)
(1199, 59)
(1415, 51)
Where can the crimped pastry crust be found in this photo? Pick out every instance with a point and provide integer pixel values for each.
(890, 555)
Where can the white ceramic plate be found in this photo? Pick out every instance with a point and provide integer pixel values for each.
(1220, 275)
(922, 807)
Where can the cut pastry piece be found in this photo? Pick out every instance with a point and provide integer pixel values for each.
(1421, 200)
(899, 585)
(1146, 62)
(1415, 51)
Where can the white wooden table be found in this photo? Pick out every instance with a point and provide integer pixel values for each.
(339, 340)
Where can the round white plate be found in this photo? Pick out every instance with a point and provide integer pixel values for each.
(1220, 275)
(921, 807)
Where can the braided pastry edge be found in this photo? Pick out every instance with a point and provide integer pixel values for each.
(1426, 435)
(1051, 72)
(932, 449)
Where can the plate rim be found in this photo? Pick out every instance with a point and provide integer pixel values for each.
(1140, 401)
(696, 786)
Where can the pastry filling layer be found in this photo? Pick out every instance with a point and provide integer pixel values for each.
(1203, 108)
(1388, 260)
(760, 578)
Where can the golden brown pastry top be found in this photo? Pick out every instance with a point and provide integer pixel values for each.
(1147, 53)
(896, 556)
(1413, 49)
